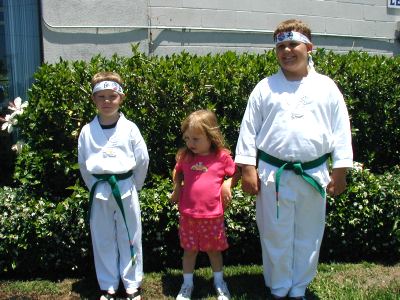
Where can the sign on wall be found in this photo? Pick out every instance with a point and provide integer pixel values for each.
(394, 3)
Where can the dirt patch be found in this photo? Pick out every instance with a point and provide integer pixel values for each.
(364, 277)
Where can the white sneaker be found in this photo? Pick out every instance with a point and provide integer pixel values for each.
(222, 291)
(185, 293)
(107, 296)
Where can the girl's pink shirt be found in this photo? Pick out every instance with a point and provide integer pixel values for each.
(203, 177)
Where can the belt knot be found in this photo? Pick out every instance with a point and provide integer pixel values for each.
(297, 168)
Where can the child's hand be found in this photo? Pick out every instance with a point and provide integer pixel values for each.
(250, 180)
(338, 182)
(174, 198)
(226, 193)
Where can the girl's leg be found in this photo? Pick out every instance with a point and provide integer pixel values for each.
(189, 261)
(216, 265)
(215, 228)
(188, 242)
(188, 264)
(220, 285)
(215, 260)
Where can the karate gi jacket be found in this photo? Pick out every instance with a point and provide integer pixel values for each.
(125, 150)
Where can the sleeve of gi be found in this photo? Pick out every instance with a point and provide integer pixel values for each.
(141, 157)
(86, 176)
(246, 149)
(342, 155)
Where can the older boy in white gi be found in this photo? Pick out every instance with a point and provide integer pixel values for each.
(294, 120)
(113, 161)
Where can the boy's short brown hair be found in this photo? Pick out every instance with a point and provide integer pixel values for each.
(293, 25)
(106, 76)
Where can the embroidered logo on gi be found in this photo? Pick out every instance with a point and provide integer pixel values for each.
(300, 108)
(199, 167)
(108, 152)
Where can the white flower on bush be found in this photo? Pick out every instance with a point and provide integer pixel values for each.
(358, 166)
(17, 108)
(17, 147)
(10, 121)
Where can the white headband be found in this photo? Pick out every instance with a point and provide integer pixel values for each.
(291, 36)
(107, 85)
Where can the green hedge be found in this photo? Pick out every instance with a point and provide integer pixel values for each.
(42, 225)
(371, 87)
(364, 222)
(40, 237)
(161, 91)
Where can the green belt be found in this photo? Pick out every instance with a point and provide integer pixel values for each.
(296, 167)
(112, 180)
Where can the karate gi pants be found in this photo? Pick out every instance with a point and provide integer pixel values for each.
(290, 244)
(112, 256)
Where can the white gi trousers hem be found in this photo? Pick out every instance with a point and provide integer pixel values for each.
(112, 256)
(290, 244)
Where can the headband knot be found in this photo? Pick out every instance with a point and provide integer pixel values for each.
(107, 85)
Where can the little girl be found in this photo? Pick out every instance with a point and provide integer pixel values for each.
(199, 183)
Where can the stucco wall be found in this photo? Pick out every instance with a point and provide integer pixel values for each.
(166, 26)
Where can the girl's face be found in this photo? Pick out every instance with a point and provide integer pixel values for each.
(293, 59)
(107, 103)
(197, 141)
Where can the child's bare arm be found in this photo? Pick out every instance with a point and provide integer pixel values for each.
(226, 193)
(177, 179)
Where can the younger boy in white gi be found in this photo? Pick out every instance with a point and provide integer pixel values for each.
(294, 120)
(113, 161)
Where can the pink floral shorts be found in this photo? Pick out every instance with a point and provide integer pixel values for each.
(202, 234)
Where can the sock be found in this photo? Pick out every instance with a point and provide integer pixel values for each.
(218, 277)
(188, 279)
(131, 290)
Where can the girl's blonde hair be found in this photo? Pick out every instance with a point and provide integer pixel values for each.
(204, 121)
(293, 25)
(103, 76)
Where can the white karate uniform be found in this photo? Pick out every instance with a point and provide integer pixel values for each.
(293, 121)
(114, 151)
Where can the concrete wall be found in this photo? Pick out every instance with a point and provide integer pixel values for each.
(79, 29)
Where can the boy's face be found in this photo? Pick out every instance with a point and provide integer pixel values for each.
(293, 58)
(107, 103)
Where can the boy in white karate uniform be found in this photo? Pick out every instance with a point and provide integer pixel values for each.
(294, 120)
(113, 161)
